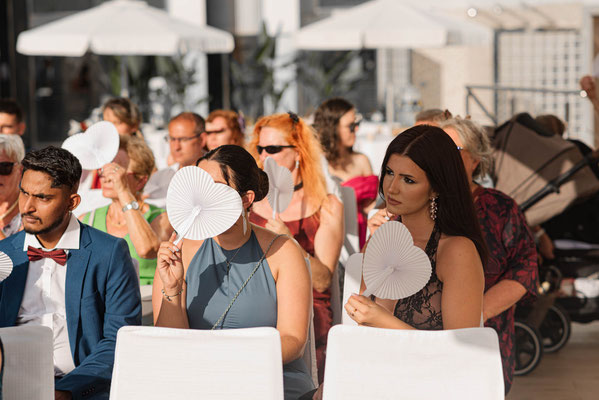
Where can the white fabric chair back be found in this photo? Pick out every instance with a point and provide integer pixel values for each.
(373, 363)
(336, 305)
(28, 363)
(353, 278)
(165, 363)
(351, 243)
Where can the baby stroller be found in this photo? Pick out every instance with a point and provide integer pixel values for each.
(549, 178)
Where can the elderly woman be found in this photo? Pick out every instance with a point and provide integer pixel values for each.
(142, 225)
(223, 127)
(12, 152)
(511, 272)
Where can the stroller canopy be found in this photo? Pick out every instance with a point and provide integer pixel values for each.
(527, 158)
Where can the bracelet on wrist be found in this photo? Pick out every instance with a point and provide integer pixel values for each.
(169, 297)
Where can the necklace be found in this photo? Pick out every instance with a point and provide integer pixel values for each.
(232, 258)
(10, 209)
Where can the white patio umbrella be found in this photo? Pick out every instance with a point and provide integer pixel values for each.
(122, 27)
(389, 24)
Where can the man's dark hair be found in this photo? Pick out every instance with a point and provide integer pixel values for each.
(63, 167)
(10, 106)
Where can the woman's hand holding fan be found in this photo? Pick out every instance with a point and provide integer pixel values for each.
(170, 266)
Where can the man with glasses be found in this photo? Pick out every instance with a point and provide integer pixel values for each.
(11, 117)
(187, 142)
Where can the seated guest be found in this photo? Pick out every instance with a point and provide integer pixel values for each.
(12, 152)
(511, 271)
(314, 218)
(335, 123)
(142, 225)
(124, 115)
(424, 185)
(222, 127)
(187, 141)
(90, 287)
(11, 117)
(245, 277)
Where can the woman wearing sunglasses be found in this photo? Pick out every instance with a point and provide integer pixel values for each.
(142, 225)
(336, 124)
(12, 152)
(313, 218)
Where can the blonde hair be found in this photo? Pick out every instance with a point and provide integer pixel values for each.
(12, 146)
(475, 140)
(141, 158)
(303, 137)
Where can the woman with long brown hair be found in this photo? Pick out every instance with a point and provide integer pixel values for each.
(314, 218)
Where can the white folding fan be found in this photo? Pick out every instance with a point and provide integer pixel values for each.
(280, 186)
(393, 267)
(5, 266)
(197, 207)
(96, 147)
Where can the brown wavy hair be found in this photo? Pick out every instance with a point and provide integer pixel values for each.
(326, 123)
(232, 120)
(301, 135)
(126, 111)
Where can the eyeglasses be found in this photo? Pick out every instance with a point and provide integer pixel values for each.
(354, 125)
(6, 167)
(170, 139)
(218, 131)
(272, 149)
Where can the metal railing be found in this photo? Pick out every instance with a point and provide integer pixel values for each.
(497, 89)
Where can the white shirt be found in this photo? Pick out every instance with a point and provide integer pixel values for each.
(157, 185)
(13, 226)
(44, 296)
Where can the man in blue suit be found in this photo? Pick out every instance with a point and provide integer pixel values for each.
(77, 280)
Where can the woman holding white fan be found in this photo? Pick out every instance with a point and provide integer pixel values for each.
(425, 186)
(244, 277)
(313, 218)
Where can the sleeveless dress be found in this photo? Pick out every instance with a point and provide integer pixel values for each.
(210, 289)
(422, 310)
(303, 231)
(146, 266)
(366, 190)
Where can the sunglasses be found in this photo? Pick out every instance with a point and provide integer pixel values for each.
(354, 125)
(272, 149)
(6, 167)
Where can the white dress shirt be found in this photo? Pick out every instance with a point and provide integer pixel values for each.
(44, 296)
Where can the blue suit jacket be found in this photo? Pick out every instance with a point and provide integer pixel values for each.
(101, 295)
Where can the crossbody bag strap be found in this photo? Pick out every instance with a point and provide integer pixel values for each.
(220, 319)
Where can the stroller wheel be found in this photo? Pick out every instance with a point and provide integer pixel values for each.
(555, 329)
(528, 348)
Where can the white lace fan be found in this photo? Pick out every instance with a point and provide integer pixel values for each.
(5, 266)
(96, 147)
(393, 267)
(197, 207)
(280, 186)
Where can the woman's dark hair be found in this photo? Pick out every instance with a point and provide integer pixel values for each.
(326, 123)
(62, 166)
(436, 154)
(239, 168)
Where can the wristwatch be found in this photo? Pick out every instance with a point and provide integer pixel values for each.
(134, 205)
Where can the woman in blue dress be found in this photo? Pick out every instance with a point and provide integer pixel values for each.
(245, 277)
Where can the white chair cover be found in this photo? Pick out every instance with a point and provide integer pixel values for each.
(373, 363)
(309, 355)
(353, 278)
(28, 363)
(165, 363)
(351, 244)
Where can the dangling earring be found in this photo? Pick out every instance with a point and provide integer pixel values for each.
(434, 207)
(245, 224)
(296, 164)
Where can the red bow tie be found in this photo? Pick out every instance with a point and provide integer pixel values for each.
(59, 256)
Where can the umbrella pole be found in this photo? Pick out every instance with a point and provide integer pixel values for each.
(124, 77)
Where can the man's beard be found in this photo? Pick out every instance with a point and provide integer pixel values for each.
(55, 224)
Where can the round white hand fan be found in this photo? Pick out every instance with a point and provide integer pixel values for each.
(280, 186)
(393, 267)
(197, 207)
(5, 266)
(96, 147)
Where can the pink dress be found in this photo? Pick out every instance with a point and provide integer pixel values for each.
(366, 188)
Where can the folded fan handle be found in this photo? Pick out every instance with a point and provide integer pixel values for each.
(188, 223)
(370, 291)
(374, 287)
(275, 206)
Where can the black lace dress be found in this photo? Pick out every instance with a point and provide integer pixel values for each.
(423, 309)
